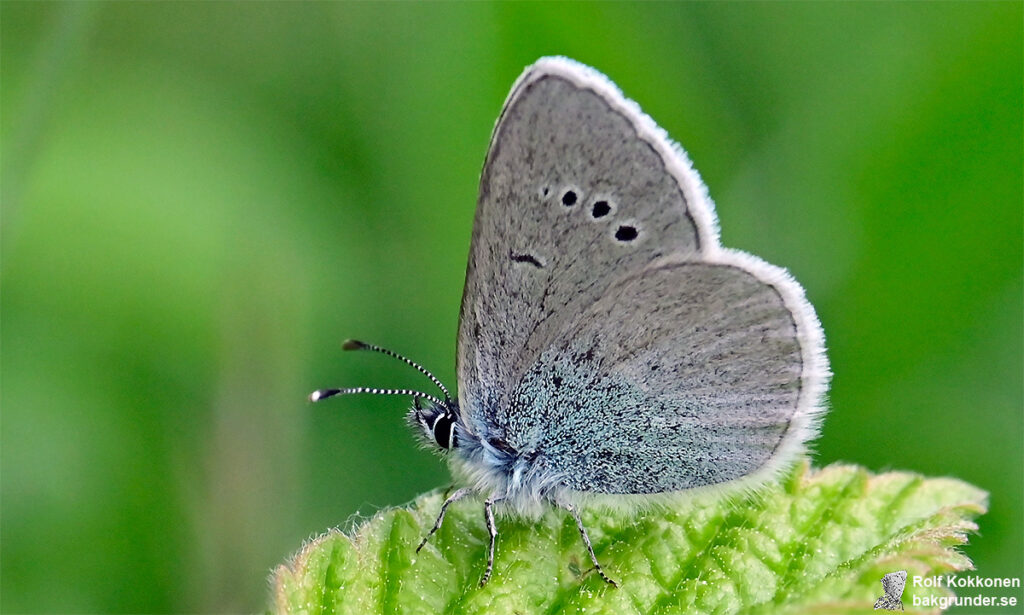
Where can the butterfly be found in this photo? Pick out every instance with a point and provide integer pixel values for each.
(892, 584)
(610, 351)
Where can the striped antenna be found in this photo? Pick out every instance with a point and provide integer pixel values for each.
(322, 394)
(357, 345)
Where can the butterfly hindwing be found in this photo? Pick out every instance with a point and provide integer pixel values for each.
(684, 375)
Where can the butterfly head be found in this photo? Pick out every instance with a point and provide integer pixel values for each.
(438, 422)
(437, 417)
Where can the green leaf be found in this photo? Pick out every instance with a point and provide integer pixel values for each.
(816, 542)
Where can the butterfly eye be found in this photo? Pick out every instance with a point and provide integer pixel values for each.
(443, 432)
(569, 198)
(601, 209)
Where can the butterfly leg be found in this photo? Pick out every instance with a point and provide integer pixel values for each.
(586, 541)
(492, 530)
(455, 497)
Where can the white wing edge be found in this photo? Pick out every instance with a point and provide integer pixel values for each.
(815, 373)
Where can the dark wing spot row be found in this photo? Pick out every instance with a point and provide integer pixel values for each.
(600, 208)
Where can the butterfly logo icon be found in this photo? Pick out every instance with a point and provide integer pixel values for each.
(893, 584)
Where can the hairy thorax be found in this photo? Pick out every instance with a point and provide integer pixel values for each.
(494, 469)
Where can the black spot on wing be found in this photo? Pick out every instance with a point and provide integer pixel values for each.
(626, 233)
(525, 258)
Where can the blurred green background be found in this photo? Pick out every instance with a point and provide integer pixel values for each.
(201, 200)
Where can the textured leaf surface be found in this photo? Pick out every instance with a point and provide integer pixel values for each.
(817, 542)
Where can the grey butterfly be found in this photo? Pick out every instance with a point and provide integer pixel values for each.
(893, 584)
(610, 351)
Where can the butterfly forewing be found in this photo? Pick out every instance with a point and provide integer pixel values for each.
(572, 197)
